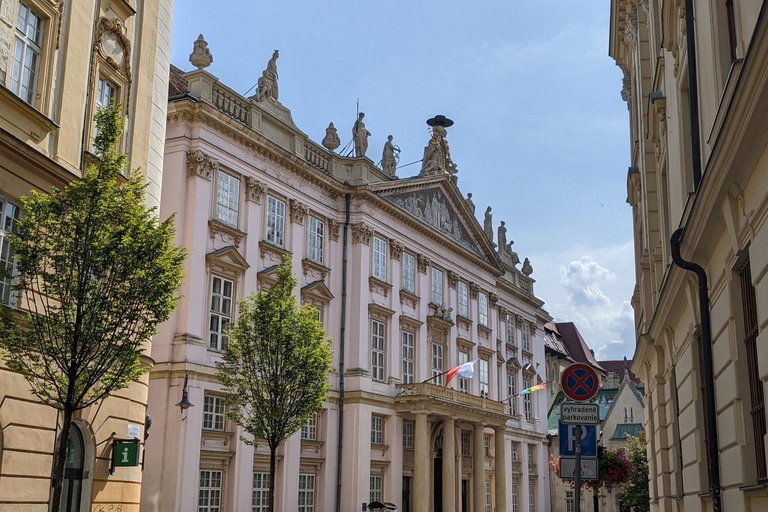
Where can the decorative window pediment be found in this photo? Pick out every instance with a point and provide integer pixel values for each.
(317, 294)
(379, 312)
(514, 363)
(226, 261)
(267, 277)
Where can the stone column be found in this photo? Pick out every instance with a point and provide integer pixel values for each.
(478, 468)
(421, 464)
(449, 465)
(501, 468)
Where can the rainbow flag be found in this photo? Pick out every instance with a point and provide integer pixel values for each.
(537, 387)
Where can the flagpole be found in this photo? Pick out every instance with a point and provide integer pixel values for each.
(436, 376)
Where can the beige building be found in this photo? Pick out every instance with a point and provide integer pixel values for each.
(59, 61)
(695, 85)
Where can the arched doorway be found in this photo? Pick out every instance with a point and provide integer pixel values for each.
(438, 472)
(72, 490)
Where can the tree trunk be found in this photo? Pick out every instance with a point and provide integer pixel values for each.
(272, 465)
(61, 460)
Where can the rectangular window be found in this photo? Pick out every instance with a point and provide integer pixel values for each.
(377, 488)
(227, 198)
(483, 305)
(515, 452)
(487, 445)
(570, 504)
(511, 330)
(306, 492)
(463, 299)
(106, 93)
(463, 383)
(515, 506)
(377, 351)
(484, 387)
(531, 454)
(527, 401)
(275, 221)
(379, 258)
(526, 337)
(409, 272)
(9, 214)
(309, 431)
(408, 349)
(316, 240)
(531, 496)
(213, 412)
(209, 491)
(465, 443)
(437, 286)
(437, 363)
(511, 392)
(377, 430)
(221, 312)
(488, 496)
(407, 434)
(27, 49)
(260, 500)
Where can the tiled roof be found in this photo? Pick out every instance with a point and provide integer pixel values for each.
(577, 347)
(617, 367)
(624, 429)
(177, 84)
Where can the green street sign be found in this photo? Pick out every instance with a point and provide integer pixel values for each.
(125, 454)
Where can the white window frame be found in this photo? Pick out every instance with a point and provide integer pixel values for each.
(409, 272)
(309, 429)
(437, 358)
(306, 494)
(463, 299)
(465, 444)
(531, 454)
(377, 488)
(511, 391)
(379, 259)
(27, 53)
(531, 496)
(106, 91)
(570, 501)
(526, 337)
(275, 221)
(408, 434)
(260, 492)
(315, 240)
(220, 310)
(437, 286)
(213, 412)
(488, 496)
(487, 444)
(10, 212)
(515, 452)
(227, 198)
(482, 301)
(463, 383)
(527, 405)
(515, 497)
(377, 429)
(208, 494)
(485, 388)
(511, 330)
(378, 350)
(408, 352)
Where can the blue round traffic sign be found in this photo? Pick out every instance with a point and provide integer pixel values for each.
(580, 382)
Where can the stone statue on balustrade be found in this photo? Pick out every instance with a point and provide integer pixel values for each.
(267, 83)
(470, 203)
(360, 135)
(389, 157)
(488, 224)
(502, 237)
(437, 155)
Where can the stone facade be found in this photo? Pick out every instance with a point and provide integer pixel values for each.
(425, 289)
(45, 139)
(722, 205)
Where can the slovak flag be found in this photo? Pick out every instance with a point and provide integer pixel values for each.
(466, 370)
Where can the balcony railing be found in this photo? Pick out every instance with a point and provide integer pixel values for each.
(440, 393)
(230, 102)
(316, 156)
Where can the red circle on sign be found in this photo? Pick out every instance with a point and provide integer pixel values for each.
(580, 382)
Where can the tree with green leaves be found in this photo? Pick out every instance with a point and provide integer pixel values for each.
(95, 273)
(276, 366)
(636, 493)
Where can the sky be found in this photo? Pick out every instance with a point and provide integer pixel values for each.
(541, 133)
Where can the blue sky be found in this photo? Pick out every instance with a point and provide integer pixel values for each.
(541, 131)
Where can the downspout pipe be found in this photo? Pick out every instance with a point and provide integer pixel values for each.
(713, 458)
(693, 94)
(342, 334)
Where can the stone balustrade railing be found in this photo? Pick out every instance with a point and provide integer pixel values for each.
(450, 395)
(317, 156)
(229, 102)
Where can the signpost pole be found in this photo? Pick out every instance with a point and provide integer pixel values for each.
(577, 476)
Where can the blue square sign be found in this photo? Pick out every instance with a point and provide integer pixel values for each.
(568, 440)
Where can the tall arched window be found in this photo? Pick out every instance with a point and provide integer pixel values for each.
(73, 471)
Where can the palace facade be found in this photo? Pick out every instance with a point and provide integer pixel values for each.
(407, 283)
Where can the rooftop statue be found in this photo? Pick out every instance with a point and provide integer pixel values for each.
(388, 157)
(268, 80)
(331, 140)
(470, 203)
(488, 224)
(201, 56)
(437, 155)
(502, 234)
(527, 268)
(360, 135)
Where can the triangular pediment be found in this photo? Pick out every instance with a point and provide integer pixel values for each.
(228, 257)
(317, 290)
(438, 203)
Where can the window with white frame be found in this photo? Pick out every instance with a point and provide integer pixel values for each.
(106, 92)
(379, 258)
(209, 491)
(463, 383)
(531, 496)
(482, 299)
(515, 493)
(409, 272)
(511, 330)
(570, 503)
(377, 429)
(526, 337)
(465, 443)
(9, 214)
(437, 286)
(316, 240)
(260, 499)
(377, 488)
(531, 454)
(27, 51)
(484, 387)
(213, 412)
(275, 221)
(222, 291)
(377, 350)
(306, 492)
(408, 355)
(487, 445)
(515, 452)
(463, 299)
(309, 430)
(527, 401)
(227, 198)
(511, 392)
(408, 434)
(488, 496)
(437, 364)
